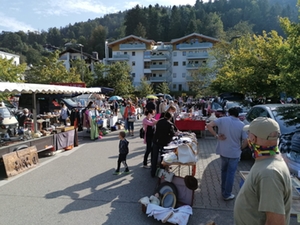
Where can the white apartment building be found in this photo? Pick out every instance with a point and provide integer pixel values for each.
(172, 62)
(6, 55)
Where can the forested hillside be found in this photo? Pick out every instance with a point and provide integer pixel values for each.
(220, 19)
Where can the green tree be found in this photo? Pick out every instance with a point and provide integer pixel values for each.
(140, 31)
(251, 66)
(144, 88)
(202, 78)
(290, 56)
(50, 70)
(163, 88)
(117, 76)
(10, 72)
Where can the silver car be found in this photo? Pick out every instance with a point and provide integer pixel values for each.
(288, 118)
(8, 122)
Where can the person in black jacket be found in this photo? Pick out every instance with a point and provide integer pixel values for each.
(123, 152)
(164, 133)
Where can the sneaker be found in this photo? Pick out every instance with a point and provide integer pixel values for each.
(126, 171)
(116, 172)
(146, 167)
(231, 197)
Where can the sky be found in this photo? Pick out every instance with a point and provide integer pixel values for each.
(38, 15)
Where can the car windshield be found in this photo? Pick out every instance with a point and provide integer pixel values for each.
(4, 112)
(288, 118)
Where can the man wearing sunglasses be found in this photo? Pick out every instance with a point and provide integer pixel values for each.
(266, 196)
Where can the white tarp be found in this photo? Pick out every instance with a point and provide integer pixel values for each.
(44, 88)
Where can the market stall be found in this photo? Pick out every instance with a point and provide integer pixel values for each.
(173, 199)
(39, 132)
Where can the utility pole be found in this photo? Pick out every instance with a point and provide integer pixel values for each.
(81, 57)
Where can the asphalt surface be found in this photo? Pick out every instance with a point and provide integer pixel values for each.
(78, 187)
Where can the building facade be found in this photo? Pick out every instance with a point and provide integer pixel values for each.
(172, 62)
(70, 54)
(6, 55)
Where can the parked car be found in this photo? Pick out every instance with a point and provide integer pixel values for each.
(243, 109)
(288, 118)
(8, 122)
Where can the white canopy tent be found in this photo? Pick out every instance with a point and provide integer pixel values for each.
(43, 88)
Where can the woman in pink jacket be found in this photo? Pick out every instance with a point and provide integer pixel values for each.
(148, 125)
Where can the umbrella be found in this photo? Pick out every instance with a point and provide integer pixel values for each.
(160, 95)
(151, 97)
(115, 97)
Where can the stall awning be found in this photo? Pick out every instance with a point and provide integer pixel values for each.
(44, 88)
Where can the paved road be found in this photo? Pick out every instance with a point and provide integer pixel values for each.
(77, 187)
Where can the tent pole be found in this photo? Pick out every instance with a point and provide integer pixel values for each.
(34, 112)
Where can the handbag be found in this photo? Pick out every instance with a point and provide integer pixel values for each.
(131, 118)
(142, 133)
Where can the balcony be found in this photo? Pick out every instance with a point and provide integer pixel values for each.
(120, 57)
(189, 78)
(163, 78)
(193, 46)
(198, 55)
(159, 67)
(136, 46)
(193, 66)
(160, 57)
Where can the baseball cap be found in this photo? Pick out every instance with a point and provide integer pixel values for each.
(262, 127)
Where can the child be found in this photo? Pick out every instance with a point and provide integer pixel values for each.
(123, 152)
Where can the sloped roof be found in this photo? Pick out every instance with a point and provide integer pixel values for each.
(131, 37)
(44, 88)
(194, 35)
(73, 50)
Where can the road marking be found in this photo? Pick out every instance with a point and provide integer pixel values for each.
(59, 153)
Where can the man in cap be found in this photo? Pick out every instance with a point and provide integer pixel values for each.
(231, 139)
(266, 195)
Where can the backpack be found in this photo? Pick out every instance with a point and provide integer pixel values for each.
(142, 133)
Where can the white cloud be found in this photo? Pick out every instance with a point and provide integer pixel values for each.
(65, 7)
(13, 25)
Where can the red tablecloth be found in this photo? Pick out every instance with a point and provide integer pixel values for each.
(190, 124)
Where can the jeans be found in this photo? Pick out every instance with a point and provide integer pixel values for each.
(154, 157)
(148, 149)
(130, 125)
(125, 124)
(228, 169)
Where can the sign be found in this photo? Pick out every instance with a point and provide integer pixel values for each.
(71, 84)
(20, 161)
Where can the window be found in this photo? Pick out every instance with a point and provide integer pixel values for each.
(147, 65)
(184, 63)
(154, 75)
(174, 86)
(174, 53)
(175, 63)
(125, 53)
(180, 87)
(174, 75)
(133, 53)
(183, 74)
(133, 63)
(133, 74)
(204, 62)
(184, 53)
